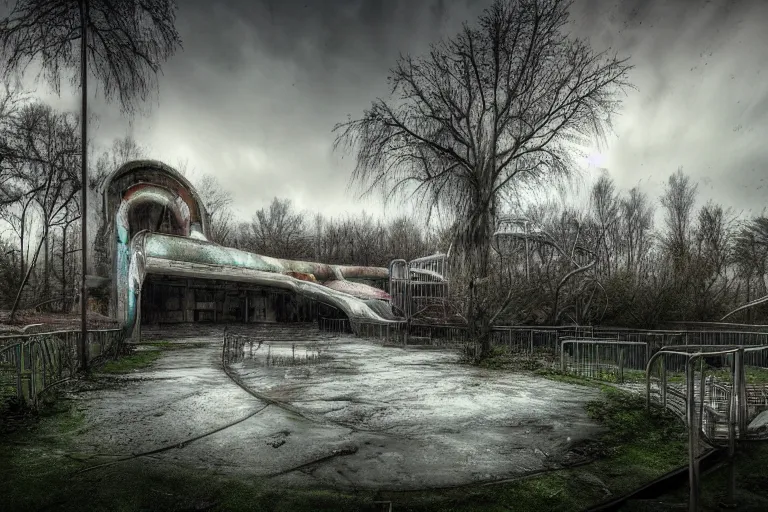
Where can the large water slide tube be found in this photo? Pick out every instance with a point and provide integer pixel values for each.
(190, 254)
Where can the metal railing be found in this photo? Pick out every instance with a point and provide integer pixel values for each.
(666, 384)
(419, 284)
(389, 332)
(334, 324)
(31, 364)
(533, 338)
(272, 352)
(716, 401)
(601, 359)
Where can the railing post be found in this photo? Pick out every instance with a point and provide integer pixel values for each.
(621, 366)
(663, 382)
(701, 393)
(693, 438)
(562, 356)
(732, 412)
(742, 392)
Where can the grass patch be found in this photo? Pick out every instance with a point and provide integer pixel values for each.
(142, 356)
(501, 358)
(559, 376)
(131, 362)
(751, 491)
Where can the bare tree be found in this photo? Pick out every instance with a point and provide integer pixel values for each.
(123, 42)
(678, 202)
(46, 148)
(637, 219)
(605, 206)
(750, 257)
(279, 231)
(713, 237)
(499, 106)
(71, 215)
(122, 151)
(217, 201)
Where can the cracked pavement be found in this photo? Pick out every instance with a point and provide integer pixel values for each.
(372, 417)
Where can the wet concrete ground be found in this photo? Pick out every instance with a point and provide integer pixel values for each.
(364, 416)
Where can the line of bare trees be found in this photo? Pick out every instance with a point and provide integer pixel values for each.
(40, 210)
(701, 263)
(282, 232)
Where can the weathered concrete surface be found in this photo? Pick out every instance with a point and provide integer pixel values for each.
(400, 419)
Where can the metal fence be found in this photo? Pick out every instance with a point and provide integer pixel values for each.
(272, 352)
(659, 338)
(548, 338)
(604, 359)
(722, 370)
(340, 325)
(31, 364)
(389, 332)
(718, 394)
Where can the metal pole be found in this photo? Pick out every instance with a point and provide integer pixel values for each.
(663, 382)
(621, 366)
(693, 438)
(743, 406)
(701, 393)
(84, 184)
(562, 357)
(731, 496)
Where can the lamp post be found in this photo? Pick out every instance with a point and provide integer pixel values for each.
(84, 185)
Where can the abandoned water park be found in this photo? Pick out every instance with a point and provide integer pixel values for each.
(527, 276)
(232, 380)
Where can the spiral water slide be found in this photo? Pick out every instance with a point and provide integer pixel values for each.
(190, 254)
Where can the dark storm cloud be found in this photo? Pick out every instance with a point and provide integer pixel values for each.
(263, 83)
(701, 99)
(259, 85)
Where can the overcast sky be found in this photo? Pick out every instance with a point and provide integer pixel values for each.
(254, 95)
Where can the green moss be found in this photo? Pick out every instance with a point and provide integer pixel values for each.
(502, 358)
(143, 355)
(566, 377)
(132, 362)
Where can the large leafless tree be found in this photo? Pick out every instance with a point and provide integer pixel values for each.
(503, 104)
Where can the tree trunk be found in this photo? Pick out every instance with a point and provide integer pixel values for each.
(477, 249)
(22, 270)
(84, 184)
(64, 268)
(46, 270)
(15, 307)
